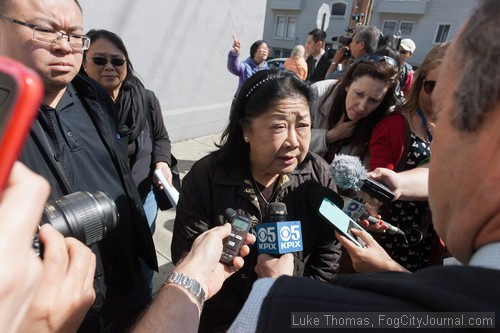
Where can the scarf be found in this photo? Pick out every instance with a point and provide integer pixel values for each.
(132, 106)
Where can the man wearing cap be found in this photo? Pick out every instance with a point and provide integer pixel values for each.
(406, 49)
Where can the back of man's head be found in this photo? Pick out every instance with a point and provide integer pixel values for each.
(478, 88)
(318, 35)
(369, 35)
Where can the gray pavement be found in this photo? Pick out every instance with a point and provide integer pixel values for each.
(186, 152)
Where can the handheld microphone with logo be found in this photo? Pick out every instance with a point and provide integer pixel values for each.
(357, 210)
(276, 235)
(349, 173)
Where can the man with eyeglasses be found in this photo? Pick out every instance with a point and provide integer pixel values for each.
(75, 146)
(406, 49)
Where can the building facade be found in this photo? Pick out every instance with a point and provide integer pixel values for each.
(426, 22)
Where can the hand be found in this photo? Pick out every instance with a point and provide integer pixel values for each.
(236, 45)
(202, 262)
(21, 206)
(389, 178)
(165, 169)
(371, 258)
(269, 266)
(343, 129)
(66, 291)
(339, 54)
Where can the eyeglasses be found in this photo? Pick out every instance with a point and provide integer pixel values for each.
(52, 37)
(376, 58)
(101, 61)
(403, 52)
(429, 86)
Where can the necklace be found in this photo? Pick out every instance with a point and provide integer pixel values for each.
(261, 195)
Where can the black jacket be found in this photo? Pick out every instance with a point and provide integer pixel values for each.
(319, 72)
(434, 289)
(209, 189)
(135, 239)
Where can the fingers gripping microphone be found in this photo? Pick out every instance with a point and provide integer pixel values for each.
(276, 235)
(357, 210)
(349, 173)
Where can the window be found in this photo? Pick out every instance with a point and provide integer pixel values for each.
(389, 28)
(442, 33)
(339, 8)
(285, 27)
(406, 28)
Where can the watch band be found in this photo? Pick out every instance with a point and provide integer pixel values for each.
(189, 284)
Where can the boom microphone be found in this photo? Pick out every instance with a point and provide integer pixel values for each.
(349, 173)
(276, 235)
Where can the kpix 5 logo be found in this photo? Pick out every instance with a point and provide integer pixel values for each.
(279, 237)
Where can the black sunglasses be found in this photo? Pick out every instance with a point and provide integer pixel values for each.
(375, 58)
(101, 61)
(403, 51)
(429, 86)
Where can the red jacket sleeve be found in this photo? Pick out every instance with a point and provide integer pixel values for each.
(387, 142)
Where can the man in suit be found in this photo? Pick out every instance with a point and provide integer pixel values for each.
(317, 61)
(465, 208)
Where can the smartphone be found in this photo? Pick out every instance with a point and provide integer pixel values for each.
(21, 93)
(332, 214)
(240, 225)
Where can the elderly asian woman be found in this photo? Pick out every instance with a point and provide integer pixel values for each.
(263, 157)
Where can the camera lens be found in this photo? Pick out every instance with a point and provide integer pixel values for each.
(83, 215)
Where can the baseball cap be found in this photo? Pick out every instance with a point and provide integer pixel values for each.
(408, 45)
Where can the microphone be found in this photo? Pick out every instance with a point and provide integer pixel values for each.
(349, 173)
(357, 210)
(276, 235)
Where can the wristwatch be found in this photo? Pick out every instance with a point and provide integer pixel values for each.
(188, 283)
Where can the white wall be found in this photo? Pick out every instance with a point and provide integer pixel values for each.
(179, 49)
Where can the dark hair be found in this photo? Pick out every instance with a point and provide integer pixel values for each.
(255, 46)
(389, 52)
(259, 93)
(377, 70)
(318, 35)
(476, 57)
(131, 79)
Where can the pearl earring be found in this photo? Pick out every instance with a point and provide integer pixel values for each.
(245, 138)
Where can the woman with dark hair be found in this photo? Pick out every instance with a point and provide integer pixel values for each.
(347, 111)
(139, 114)
(263, 157)
(244, 69)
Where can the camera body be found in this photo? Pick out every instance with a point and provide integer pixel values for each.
(86, 216)
(345, 41)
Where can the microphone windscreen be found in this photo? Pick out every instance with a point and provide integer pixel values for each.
(348, 171)
(275, 212)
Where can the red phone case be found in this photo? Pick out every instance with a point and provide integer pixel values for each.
(21, 92)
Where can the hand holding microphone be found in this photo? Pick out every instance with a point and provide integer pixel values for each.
(349, 173)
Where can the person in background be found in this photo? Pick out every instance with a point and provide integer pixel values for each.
(74, 144)
(297, 62)
(139, 117)
(317, 60)
(401, 141)
(364, 42)
(406, 49)
(259, 51)
(263, 158)
(346, 111)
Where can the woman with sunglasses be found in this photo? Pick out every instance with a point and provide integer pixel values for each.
(347, 111)
(139, 114)
(401, 142)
